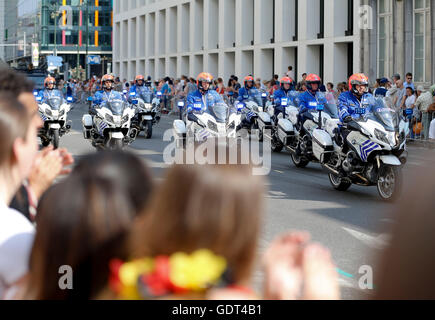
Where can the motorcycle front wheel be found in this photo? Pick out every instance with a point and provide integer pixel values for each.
(148, 129)
(55, 138)
(338, 183)
(116, 144)
(389, 184)
(298, 161)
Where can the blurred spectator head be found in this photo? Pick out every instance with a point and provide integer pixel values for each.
(18, 146)
(395, 78)
(407, 265)
(212, 210)
(127, 169)
(82, 223)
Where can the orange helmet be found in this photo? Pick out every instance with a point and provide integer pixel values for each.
(247, 79)
(49, 80)
(203, 77)
(312, 79)
(358, 79)
(286, 80)
(139, 77)
(107, 77)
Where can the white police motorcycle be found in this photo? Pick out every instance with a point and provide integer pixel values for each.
(280, 131)
(147, 112)
(250, 107)
(53, 109)
(110, 127)
(319, 112)
(373, 151)
(216, 121)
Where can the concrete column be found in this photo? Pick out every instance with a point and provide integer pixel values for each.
(432, 37)
(399, 37)
(329, 66)
(179, 27)
(408, 40)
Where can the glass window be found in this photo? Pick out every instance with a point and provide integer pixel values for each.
(384, 37)
(422, 41)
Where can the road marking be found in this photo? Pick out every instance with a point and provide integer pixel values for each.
(378, 242)
(279, 171)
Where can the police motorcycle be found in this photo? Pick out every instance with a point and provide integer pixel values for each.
(318, 113)
(372, 153)
(147, 112)
(250, 107)
(110, 125)
(53, 109)
(216, 121)
(280, 127)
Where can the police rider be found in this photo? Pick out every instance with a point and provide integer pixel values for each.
(309, 99)
(350, 100)
(50, 90)
(107, 92)
(282, 96)
(204, 97)
(139, 88)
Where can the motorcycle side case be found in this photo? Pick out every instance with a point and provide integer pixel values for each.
(292, 113)
(263, 120)
(179, 128)
(285, 131)
(322, 143)
(87, 121)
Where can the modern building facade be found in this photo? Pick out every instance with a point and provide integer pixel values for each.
(401, 40)
(20, 29)
(82, 27)
(225, 37)
(67, 28)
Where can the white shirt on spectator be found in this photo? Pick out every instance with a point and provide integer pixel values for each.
(410, 101)
(16, 241)
(432, 129)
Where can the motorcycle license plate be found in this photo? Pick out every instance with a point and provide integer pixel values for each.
(360, 110)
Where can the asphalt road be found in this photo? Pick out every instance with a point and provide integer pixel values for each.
(354, 225)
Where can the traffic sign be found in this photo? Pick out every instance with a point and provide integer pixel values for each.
(94, 59)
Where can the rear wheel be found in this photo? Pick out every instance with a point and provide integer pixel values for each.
(276, 145)
(298, 161)
(389, 184)
(339, 183)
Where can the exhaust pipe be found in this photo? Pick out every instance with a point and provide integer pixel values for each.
(334, 171)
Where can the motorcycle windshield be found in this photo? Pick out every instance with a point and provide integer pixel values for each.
(146, 96)
(256, 97)
(385, 115)
(219, 111)
(54, 102)
(116, 106)
(294, 98)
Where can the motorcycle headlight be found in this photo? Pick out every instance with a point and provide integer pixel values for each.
(48, 112)
(381, 136)
(212, 126)
(62, 112)
(109, 118)
(125, 118)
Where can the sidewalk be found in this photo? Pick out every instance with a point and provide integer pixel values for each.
(429, 144)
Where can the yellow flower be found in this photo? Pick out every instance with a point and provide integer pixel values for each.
(129, 274)
(197, 271)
